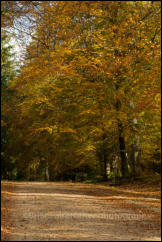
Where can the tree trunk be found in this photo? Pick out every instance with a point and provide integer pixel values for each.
(47, 172)
(124, 165)
(132, 161)
(105, 153)
(105, 166)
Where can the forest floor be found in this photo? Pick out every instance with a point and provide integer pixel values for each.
(66, 211)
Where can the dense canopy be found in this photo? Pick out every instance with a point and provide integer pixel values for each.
(85, 103)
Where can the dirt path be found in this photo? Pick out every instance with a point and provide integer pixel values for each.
(40, 211)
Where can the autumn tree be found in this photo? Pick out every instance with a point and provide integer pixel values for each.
(88, 89)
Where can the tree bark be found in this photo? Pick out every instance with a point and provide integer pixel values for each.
(132, 161)
(105, 166)
(105, 153)
(124, 165)
(47, 172)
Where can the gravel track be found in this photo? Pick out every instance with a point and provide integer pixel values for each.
(58, 211)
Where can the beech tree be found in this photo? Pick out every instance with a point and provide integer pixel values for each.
(89, 87)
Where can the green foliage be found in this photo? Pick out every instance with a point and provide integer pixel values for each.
(7, 74)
